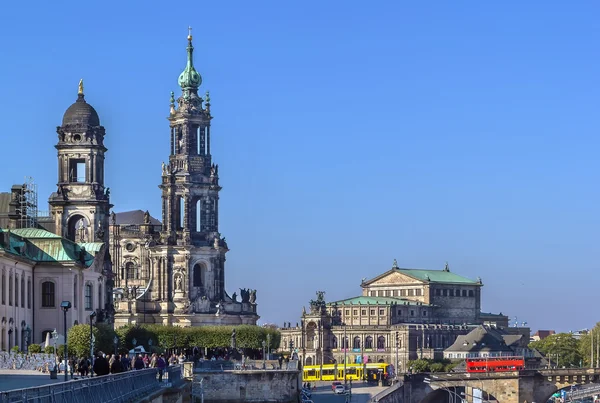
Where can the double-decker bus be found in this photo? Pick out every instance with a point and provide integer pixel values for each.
(371, 372)
(495, 364)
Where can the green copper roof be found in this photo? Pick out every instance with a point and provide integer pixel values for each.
(33, 233)
(366, 300)
(436, 276)
(190, 78)
(39, 245)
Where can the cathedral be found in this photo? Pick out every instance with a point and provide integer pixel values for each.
(173, 272)
(128, 267)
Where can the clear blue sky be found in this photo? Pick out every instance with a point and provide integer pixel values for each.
(347, 134)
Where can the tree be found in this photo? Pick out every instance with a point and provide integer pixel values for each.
(78, 339)
(34, 348)
(49, 350)
(562, 348)
(585, 346)
(421, 365)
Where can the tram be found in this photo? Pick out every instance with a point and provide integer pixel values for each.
(371, 372)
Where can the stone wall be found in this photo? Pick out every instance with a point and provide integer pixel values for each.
(250, 386)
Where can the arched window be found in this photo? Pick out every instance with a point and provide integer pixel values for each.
(28, 292)
(88, 296)
(334, 342)
(48, 294)
(22, 291)
(130, 271)
(10, 289)
(198, 275)
(75, 292)
(3, 288)
(356, 342)
(380, 342)
(369, 342)
(345, 342)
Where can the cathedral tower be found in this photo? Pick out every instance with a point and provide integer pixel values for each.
(80, 206)
(190, 194)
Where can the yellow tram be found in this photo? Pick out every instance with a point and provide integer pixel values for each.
(371, 372)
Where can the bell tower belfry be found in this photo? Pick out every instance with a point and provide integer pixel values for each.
(80, 206)
(190, 197)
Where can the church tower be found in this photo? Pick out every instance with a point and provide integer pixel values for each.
(190, 196)
(80, 206)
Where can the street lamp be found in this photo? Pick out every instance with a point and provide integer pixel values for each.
(116, 343)
(264, 344)
(92, 316)
(27, 335)
(269, 345)
(66, 305)
(397, 347)
(345, 344)
(54, 337)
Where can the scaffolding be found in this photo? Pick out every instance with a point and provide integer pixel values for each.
(28, 202)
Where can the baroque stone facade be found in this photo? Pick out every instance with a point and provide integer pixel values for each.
(402, 315)
(174, 272)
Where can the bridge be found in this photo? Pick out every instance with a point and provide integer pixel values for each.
(503, 387)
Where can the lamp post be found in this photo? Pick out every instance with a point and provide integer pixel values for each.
(54, 337)
(397, 347)
(345, 344)
(264, 345)
(27, 336)
(66, 305)
(9, 338)
(269, 346)
(92, 316)
(116, 343)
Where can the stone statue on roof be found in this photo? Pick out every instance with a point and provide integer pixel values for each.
(113, 218)
(146, 217)
(395, 264)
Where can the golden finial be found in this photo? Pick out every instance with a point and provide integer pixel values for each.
(80, 92)
(189, 33)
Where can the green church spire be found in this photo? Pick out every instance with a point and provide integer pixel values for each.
(190, 79)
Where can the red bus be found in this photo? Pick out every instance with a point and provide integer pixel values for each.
(495, 364)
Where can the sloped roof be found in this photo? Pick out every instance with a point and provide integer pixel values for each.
(366, 300)
(431, 276)
(542, 334)
(483, 339)
(134, 217)
(42, 246)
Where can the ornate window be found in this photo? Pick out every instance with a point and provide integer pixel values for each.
(197, 275)
(369, 342)
(22, 291)
(48, 294)
(130, 271)
(334, 342)
(10, 289)
(88, 297)
(380, 342)
(356, 342)
(345, 342)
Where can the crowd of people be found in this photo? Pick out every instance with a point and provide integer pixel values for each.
(103, 364)
(37, 362)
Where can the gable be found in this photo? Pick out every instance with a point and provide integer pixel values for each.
(394, 278)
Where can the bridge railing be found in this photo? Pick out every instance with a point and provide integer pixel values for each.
(584, 392)
(117, 388)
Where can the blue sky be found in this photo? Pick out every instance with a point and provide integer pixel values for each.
(347, 134)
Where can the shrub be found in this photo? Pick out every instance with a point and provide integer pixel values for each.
(49, 350)
(34, 348)
(15, 349)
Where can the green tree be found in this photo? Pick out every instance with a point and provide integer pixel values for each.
(585, 346)
(49, 350)
(78, 340)
(562, 348)
(104, 338)
(420, 365)
(34, 348)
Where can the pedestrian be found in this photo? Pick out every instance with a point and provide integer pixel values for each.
(139, 363)
(161, 364)
(116, 367)
(101, 365)
(83, 367)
